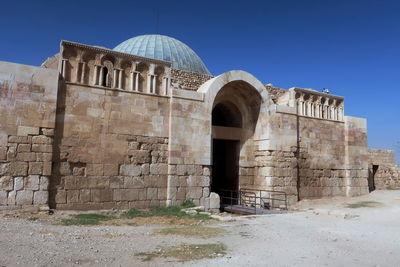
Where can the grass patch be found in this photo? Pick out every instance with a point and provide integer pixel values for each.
(192, 231)
(188, 204)
(172, 211)
(86, 219)
(363, 204)
(187, 252)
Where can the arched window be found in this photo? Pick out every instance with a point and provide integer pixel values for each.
(105, 77)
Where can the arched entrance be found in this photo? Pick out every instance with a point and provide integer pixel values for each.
(235, 115)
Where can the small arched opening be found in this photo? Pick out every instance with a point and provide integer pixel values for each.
(104, 82)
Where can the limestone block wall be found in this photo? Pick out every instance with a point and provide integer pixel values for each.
(275, 156)
(387, 175)
(189, 171)
(28, 110)
(321, 158)
(111, 149)
(188, 80)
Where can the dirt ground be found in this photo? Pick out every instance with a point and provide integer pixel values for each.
(319, 233)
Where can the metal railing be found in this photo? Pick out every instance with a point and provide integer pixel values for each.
(253, 198)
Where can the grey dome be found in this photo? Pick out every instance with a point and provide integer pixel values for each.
(165, 48)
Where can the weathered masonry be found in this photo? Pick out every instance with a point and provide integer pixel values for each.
(146, 125)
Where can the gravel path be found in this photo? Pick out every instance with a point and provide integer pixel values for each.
(327, 234)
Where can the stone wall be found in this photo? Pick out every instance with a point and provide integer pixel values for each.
(111, 149)
(188, 80)
(27, 107)
(321, 162)
(387, 175)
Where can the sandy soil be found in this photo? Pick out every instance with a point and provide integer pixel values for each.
(320, 233)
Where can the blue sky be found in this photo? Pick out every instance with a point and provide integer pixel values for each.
(351, 47)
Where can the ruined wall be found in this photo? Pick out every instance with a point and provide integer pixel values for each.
(27, 107)
(111, 149)
(188, 80)
(387, 175)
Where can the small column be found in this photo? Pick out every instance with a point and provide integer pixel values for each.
(154, 84)
(150, 79)
(137, 77)
(83, 73)
(63, 66)
(101, 75)
(165, 85)
(95, 75)
(120, 78)
(115, 81)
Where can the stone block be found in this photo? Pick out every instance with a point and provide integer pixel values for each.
(35, 168)
(128, 194)
(3, 153)
(48, 132)
(139, 156)
(206, 171)
(32, 182)
(110, 169)
(24, 148)
(79, 171)
(117, 182)
(133, 182)
(26, 156)
(47, 167)
(159, 168)
(61, 197)
(46, 157)
(84, 195)
(11, 198)
(19, 168)
(146, 169)
(44, 183)
(130, 170)
(198, 180)
(18, 139)
(181, 193)
(72, 196)
(11, 153)
(26, 130)
(206, 192)
(171, 169)
(42, 148)
(214, 201)
(42, 140)
(3, 198)
(181, 170)
(152, 193)
(194, 192)
(162, 193)
(24, 197)
(6, 183)
(40, 197)
(95, 169)
(4, 168)
(101, 195)
(18, 183)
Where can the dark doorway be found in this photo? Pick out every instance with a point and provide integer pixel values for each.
(225, 167)
(371, 177)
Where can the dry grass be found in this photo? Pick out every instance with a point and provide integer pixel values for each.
(187, 252)
(192, 231)
(364, 204)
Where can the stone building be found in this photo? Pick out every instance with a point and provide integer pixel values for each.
(146, 124)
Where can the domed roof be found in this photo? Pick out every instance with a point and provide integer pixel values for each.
(165, 48)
